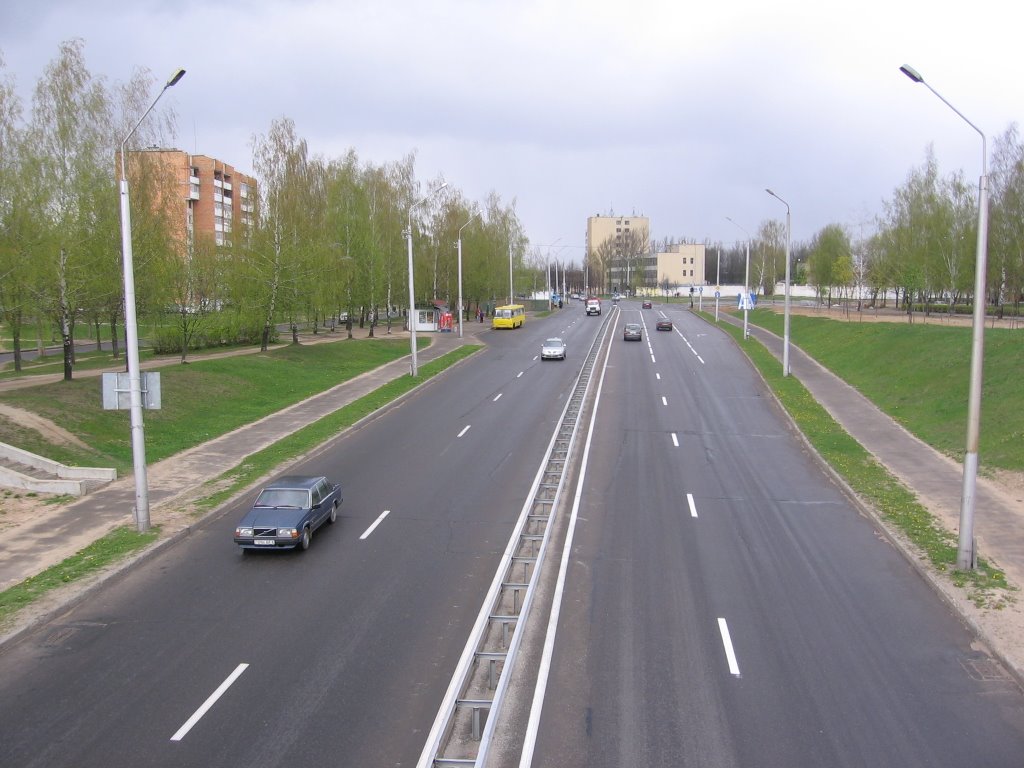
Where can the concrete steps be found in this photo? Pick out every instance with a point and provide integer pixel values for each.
(27, 471)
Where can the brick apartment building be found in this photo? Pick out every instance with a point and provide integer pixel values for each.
(208, 198)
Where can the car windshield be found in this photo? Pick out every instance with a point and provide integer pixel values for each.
(632, 327)
(283, 497)
(553, 343)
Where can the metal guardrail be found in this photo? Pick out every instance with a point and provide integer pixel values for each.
(465, 722)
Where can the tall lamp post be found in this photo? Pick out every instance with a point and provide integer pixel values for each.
(471, 218)
(785, 322)
(718, 280)
(511, 290)
(414, 370)
(131, 328)
(966, 557)
(746, 285)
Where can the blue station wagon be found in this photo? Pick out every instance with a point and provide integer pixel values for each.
(287, 512)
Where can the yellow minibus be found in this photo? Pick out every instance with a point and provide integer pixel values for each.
(508, 316)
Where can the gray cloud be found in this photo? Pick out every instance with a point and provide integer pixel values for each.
(682, 113)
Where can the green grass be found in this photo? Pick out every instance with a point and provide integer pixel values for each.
(113, 547)
(870, 480)
(918, 374)
(200, 401)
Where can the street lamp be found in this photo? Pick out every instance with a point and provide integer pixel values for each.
(412, 288)
(471, 218)
(785, 322)
(511, 290)
(132, 332)
(965, 554)
(746, 285)
(718, 280)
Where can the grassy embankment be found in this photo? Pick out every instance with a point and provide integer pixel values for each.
(918, 374)
(202, 401)
(874, 347)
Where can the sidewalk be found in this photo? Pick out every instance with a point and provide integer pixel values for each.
(935, 479)
(32, 548)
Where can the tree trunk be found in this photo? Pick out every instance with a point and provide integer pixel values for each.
(265, 337)
(68, 348)
(114, 340)
(63, 312)
(16, 335)
(183, 319)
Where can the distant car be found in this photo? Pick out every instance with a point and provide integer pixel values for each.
(632, 332)
(552, 349)
(664, 325)
(593, 306)
(287, 512)
(645, 305)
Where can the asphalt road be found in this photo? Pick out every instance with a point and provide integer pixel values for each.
(838, 654)
(349, 646)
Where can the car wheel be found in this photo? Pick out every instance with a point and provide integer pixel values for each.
(334, 513)
(307, 536)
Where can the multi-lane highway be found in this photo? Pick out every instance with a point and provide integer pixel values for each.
(349, 645)
(724, 604)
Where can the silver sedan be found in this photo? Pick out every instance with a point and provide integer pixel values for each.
(552, 349)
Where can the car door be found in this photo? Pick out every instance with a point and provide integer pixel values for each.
(319, 509)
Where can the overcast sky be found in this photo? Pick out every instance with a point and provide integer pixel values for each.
(677, 110)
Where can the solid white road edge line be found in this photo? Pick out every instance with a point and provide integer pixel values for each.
(693, 507)
(465, 429)
(376, 522)
(198, 714)
(734, 668)
(544, 671)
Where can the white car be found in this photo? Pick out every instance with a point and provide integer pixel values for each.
(552, 349)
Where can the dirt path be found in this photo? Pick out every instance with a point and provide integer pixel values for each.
(50, 431)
